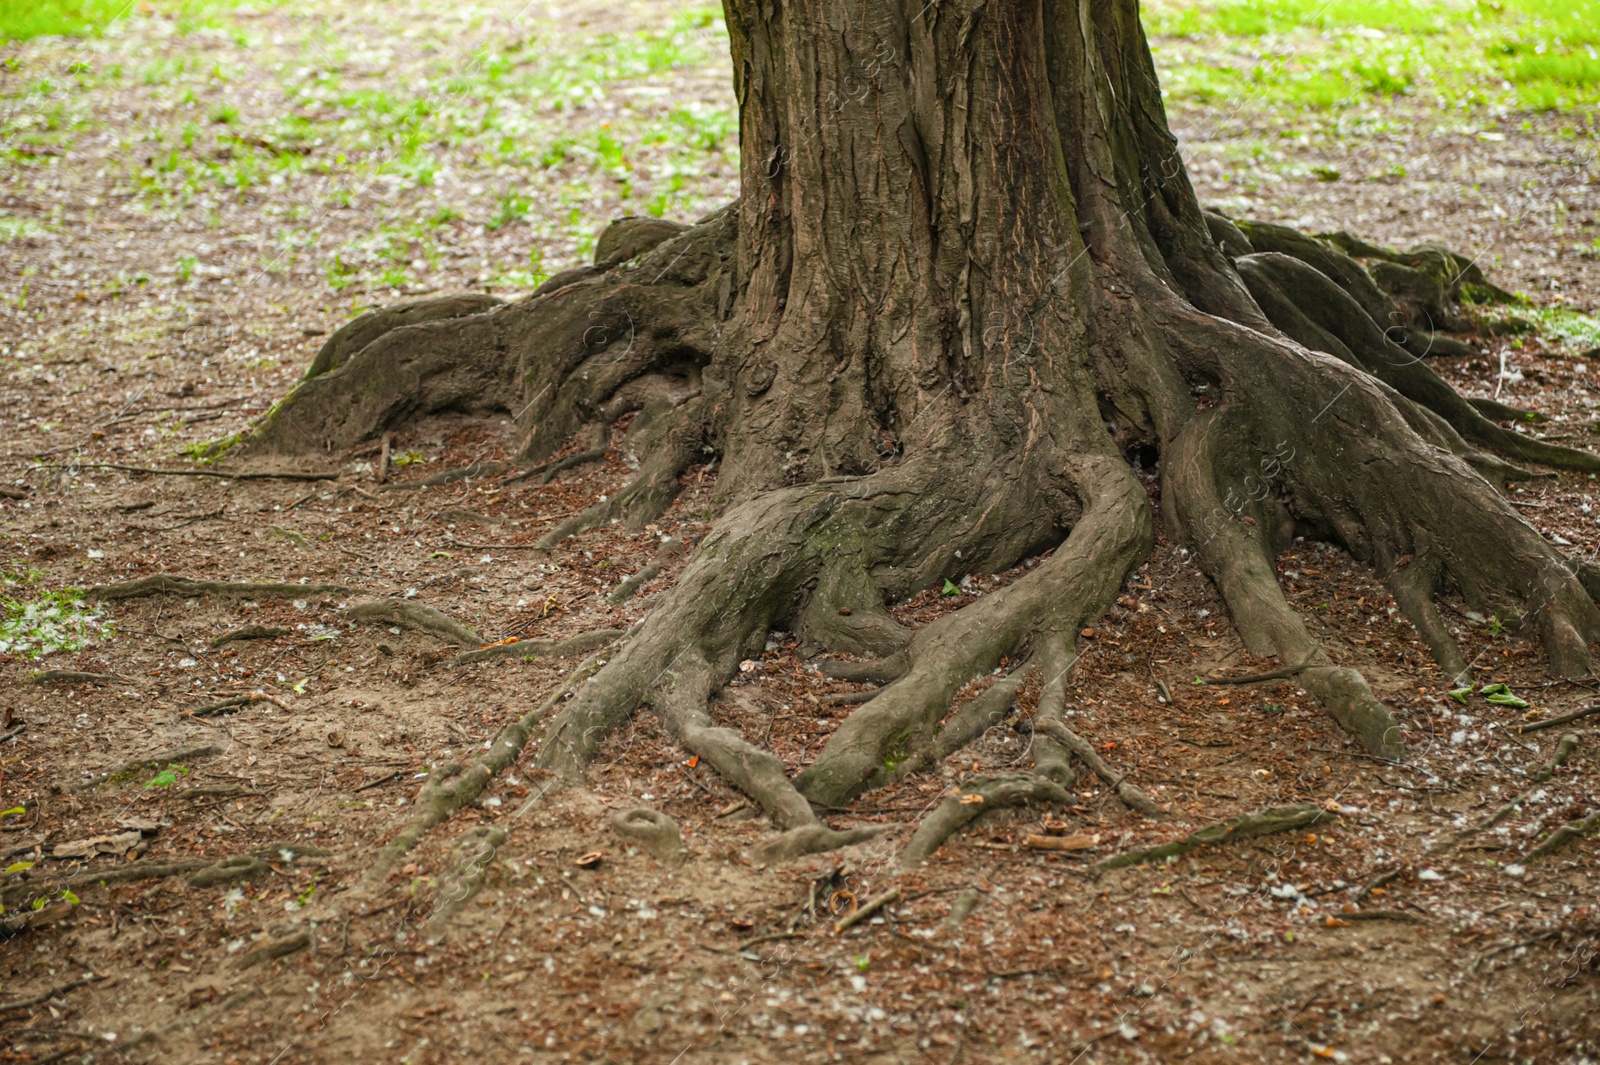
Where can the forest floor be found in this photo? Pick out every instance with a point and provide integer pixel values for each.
(188, 205)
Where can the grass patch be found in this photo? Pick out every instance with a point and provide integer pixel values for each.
(1315, 55)
(22, 19)
(34, 623)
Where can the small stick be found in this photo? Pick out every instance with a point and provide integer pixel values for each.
(773, 938)
(863, 912)
(383, 458)
(212, 709)
(1552, 722)
(46, 996)
(199, 473)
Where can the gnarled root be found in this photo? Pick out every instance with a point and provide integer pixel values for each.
(1077, 582)
(810, 839)
(972, 720)
(976, 797)
(1056, 655)
(587, 347)
(470, 861)
(1242, 477)
(1132, 797)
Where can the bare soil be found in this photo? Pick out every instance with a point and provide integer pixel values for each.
(1260, 951)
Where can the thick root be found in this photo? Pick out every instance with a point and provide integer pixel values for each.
(583, 643)
(405, 614)
(1131, 796)
(973, 719)
(669, 550)
(166, 584)
(755, 772)
(470, 861)
(356, 334)
(1056, 655)
(1077, 582)
(1308, 306)
(453, 786)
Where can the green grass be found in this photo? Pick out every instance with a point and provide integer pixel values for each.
(22, 19)
(1321, 55)
(47, 621)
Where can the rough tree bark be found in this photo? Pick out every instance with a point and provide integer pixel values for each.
(966, 279)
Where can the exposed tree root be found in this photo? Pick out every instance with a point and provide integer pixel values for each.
(884, 414)
(809, 839)
(1056, 656)
(123, 772)
(1314, 310)
(411, 615)
(976, 797)
(166, 584)
(469, 864)
(865, 910)
(280, 947)
(872, 671)
(225, 475)
(669, 550)
(653, 830)
(452, 786)
(1574, 829)
(1566, 746)
(970, 721)
(233, 703)
(1562, 719)
(72, 676)
(127, 872)
(1074, 584)
(1496, 411)
(465, 473)
(1131, 797)
(250, 632)
(1245, 826)
(760, 775)
(357, 333)
(583, 643)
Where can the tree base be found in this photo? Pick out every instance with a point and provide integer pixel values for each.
(1300, 409)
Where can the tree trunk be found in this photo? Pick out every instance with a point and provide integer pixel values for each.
(966, 278)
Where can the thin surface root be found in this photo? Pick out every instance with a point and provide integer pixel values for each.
(976, 797)
(1132, 797)
(167, 584)
(810, 839)
(1246, 826)
(583, 643)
